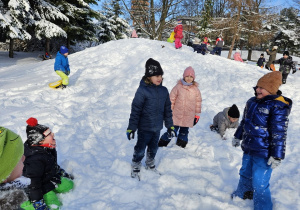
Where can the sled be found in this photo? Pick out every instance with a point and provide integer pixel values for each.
(56, 84)
(171, 39)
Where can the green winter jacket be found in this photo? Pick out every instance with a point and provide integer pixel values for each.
(272, 57)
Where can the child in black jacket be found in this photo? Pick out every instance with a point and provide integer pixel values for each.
(261, 61)
(40, 165)
(286, 64)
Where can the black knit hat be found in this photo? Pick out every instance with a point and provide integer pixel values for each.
(262, 54)
(234, 111)
(153, 68)
(286, 53)
(35, 131)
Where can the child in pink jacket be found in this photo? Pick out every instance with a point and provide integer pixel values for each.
(186, 107)
(237, 56)
(178, 34)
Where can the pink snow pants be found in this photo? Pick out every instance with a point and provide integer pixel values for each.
(177, 43)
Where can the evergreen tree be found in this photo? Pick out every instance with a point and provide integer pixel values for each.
(206, 14)
(112, 26)
(80, 26)
(287, 34)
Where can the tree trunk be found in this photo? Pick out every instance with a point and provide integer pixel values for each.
(249, 54)
(236, 26)
(152, 20)
(47, 45)
(11, 48)
(68, 43)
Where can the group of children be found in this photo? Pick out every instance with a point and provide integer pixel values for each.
(30, 176)
(262, 129)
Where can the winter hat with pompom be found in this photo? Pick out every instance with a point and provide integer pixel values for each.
(35, 131)
(189, 71)
(234, 111)
(270, 82)
(11, 151)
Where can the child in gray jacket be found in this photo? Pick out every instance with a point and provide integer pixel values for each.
(228, 118)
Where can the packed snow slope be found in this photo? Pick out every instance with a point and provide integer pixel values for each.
(90, 119)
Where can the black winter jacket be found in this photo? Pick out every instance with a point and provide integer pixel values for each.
(41, 167)
(286, 65)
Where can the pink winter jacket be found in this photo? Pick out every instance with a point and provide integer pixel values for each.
(186, 102)
(237, 57)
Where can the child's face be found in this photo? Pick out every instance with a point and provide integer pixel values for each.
(189, 79)
(18, 170)
(66, 54)
(156, 80)
(285, 56)
(49, 139)
(233, 119)
(261, 92)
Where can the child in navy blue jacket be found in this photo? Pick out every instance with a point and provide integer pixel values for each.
(261, 61)
(150, 107)
(263, 131)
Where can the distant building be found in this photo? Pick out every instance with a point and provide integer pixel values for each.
(139, 9)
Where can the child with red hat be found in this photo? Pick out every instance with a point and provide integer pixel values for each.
(186, 106)
(40, 165)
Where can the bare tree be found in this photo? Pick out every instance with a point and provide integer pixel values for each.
(155, 17)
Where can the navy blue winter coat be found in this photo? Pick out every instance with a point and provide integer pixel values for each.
(150, 107)
(263, 128)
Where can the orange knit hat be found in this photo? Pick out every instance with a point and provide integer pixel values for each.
(270, 82)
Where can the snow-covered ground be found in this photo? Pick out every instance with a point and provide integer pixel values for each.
(90, 118)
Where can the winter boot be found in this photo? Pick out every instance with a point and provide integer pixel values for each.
(163, 143)
(135, 170)
(181, 143)
(63, 86)
(248, 195)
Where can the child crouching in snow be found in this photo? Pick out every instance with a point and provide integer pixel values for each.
(40, 165)
(12, 184)
(186, 106)
(263, 132)
(237, 56)
(150, 107)
(228, 118)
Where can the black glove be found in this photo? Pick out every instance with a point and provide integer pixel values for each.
(196, 119)
(171, 132)
(130, 134)
(294, 71)
(63, 173)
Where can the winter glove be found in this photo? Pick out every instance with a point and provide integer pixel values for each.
(274, 162)
(130, 134)
(294, 71)
(67, 73)
(171, 132)
(63, 173)
(196, 119)
(236, 142)
(40, 205)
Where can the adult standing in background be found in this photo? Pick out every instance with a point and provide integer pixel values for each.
(270, 66)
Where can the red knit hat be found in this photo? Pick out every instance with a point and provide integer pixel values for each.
(189, 71)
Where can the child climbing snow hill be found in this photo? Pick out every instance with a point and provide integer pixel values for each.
(228, 118)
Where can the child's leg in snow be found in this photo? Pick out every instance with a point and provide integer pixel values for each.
(261, 176)
(64, 77)
(152, 149)
(177, 41)
(183, 133)
(245, 182)
(143, 140)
